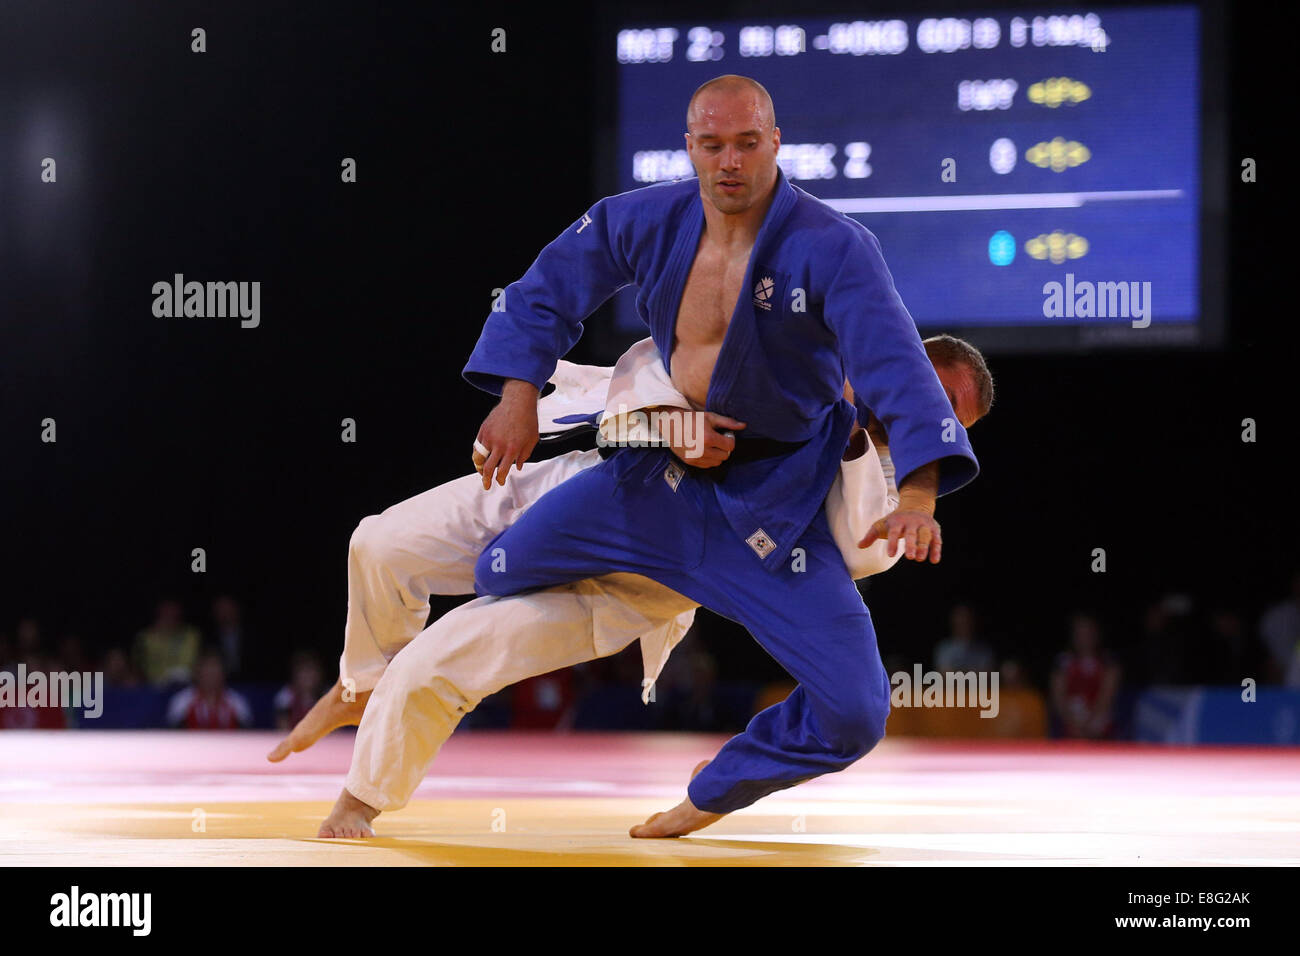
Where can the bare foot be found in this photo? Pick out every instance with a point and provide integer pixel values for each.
(329, 713)
(680, 820)
(350, 819)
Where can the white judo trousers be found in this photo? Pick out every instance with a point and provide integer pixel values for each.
(425, 679)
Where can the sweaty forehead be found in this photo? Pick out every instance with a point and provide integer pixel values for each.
(721, 110)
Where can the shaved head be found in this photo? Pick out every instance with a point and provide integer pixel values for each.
(732, 140)
(732, 84)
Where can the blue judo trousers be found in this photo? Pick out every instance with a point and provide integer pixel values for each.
(626, 515)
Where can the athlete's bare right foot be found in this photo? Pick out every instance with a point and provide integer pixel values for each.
(329, 713)
(350, 819)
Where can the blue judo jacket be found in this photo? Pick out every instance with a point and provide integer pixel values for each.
(817, 306)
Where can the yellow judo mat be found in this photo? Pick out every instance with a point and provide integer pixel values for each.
(88, 798)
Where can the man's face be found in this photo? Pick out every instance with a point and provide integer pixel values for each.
(169, 616)
(959, 383)
(307, 676)
(1084, 637)
(211, 675)
(733, 147)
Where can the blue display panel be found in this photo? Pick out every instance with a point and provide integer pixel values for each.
(993, 155)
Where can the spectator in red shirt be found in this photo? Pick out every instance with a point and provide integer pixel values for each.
(208, 704)
(546, 702)
(29, 652)
(296, 697)
(1084, 682)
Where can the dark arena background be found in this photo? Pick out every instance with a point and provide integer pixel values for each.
(1126, 560)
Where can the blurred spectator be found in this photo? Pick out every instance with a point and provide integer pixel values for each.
(1279, 631)
(118, 671)
(166, 653)
(208, 704)
(962, 651)
(1084, 683)
(72, 655)
(303, 690)
(1168, 633)
(228, 633)
(27, 651)
(543, 703)
(1291, 669)
(1221, 655)
(1022, 710)
(1292, 676)
(894, 662)
(687, 690)
(27, 645)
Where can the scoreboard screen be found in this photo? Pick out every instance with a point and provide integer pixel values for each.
(1034, 178)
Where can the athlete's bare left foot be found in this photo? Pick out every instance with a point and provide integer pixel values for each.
(350, 819)
(329, 713)
(680, 820)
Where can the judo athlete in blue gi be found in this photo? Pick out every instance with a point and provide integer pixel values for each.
(763, 300)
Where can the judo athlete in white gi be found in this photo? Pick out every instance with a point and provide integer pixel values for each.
(762, 300)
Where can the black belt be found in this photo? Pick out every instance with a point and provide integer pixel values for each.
(752, 449)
